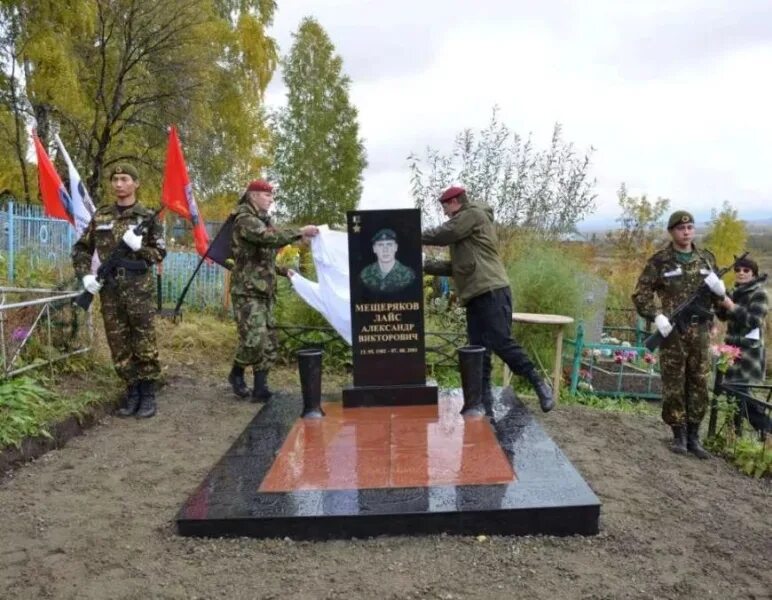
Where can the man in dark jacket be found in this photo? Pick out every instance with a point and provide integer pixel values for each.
(745, 311)
(482, 286)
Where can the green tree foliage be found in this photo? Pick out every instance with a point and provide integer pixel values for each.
(110, 75)
(319, 157)
(545, 190)
(642, 225)
(642, 229)
(726, 236)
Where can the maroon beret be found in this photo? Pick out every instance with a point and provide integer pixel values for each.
(259, 185)
(451, 193)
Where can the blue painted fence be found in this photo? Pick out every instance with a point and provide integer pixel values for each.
(26, 231)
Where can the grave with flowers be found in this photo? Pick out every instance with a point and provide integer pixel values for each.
(613, 367)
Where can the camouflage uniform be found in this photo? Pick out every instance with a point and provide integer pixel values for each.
(253, 284)
(128, 306)
(398, 278)
(684, 355)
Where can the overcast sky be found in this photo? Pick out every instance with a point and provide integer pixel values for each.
(674, 95)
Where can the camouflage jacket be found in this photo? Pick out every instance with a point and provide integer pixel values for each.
(105, 231)
(254, 244)
(474, 261)
(671, 281)
(398, 278)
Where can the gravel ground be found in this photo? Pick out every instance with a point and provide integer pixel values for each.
(95, 520)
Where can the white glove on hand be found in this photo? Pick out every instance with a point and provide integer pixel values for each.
(132, 240)
(663, 325)
(715, 284)
(91, 285)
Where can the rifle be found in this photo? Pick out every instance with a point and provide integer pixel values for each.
(696, 305)
(108, 268)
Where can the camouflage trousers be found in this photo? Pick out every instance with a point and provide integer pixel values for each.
(257, 332)
(685, 367)
(128, 312)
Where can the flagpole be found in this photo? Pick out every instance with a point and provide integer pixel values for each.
(193, 276)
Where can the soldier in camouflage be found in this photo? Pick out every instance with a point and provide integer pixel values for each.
(254, 243)
(672, 275)
(386, 275)
(127, 299)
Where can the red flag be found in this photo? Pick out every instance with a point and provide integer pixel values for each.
(176, 193)
(56, 200)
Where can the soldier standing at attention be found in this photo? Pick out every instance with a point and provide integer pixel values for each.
(254, 243)
(128, 306)
(483, 288)
(674, 274)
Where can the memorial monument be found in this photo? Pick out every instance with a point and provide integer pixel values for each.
(395, 456)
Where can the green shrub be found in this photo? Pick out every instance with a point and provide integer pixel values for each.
(549, 280)
(27, 409)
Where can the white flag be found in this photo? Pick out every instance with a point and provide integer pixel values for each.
(82, 206)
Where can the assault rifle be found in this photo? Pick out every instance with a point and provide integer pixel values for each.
(118, 257)
(696, 306)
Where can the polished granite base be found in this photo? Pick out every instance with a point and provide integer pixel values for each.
(389, 395)
(395, 470)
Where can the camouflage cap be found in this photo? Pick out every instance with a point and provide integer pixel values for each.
(679, 217)
(124, 168)
(384, 234)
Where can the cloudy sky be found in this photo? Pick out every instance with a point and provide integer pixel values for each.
(674, 95)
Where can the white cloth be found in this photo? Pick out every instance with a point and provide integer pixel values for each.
(330, 295)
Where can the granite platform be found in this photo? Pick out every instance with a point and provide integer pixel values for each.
(396, 470)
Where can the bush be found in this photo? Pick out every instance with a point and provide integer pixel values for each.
(551, 281)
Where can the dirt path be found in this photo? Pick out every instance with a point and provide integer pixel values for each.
(95, 520)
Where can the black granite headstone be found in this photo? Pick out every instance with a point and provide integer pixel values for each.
(387, 324)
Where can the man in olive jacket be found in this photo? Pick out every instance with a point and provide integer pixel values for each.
(482, 287)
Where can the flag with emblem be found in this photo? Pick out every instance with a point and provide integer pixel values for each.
(177, 193)
(82, 206)
(56, 200)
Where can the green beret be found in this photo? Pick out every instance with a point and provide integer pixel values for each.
(384, 234)
(124, 168)
(679, 217)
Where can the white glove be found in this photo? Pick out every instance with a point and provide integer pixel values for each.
(663, 325)
(91, 285)
(132, 240)
(715, 285)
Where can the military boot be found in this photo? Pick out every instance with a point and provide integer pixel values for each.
(679, 439)
(147, 399)
(693, 441)
(236, 379)
(543, 392)
(261, 393)
(130, 401)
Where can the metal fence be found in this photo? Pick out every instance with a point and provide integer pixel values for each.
(39, 327)
(29, 241)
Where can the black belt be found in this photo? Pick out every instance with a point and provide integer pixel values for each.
(130, 268)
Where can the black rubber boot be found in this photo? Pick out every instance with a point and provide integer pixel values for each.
(236, 379)
(543, 392)
(679, 439)
(693, 441)
(261, 393)
(130, 401)
(146, 399)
